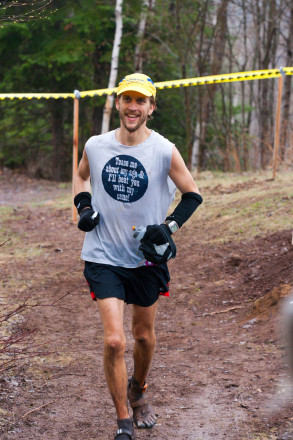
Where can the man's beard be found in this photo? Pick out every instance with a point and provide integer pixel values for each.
(134, 128)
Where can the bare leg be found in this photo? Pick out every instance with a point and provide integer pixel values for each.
(145, 341)
(111, 311)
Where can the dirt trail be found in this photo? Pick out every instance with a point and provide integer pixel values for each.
(219, 368)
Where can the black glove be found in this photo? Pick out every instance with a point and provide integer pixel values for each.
(88, 217)
(88, 220)
(157, 234)
(153, 241)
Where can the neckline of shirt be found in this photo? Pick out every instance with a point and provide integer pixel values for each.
(131, 146)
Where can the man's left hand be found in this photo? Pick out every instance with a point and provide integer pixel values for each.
(157, 234)
(155, 237)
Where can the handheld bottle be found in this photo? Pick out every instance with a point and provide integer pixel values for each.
(139, 234)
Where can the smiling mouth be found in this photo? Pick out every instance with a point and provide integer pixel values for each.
(132, 117)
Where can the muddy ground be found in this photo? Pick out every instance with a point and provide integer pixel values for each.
(219, 371)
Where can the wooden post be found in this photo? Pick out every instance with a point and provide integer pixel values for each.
(75, 146)
(277, 126)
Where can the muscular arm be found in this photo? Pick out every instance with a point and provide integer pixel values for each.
(89, 218)
(157, 235)
(190, 198)
(181, 175)
(81, 179)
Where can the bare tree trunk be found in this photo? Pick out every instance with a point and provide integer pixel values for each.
(60, 152)
(267, 18)
(202, 54)
(217, 59)
(184, 47)
(195, 145)
(114, 67)
(187, 100)
(285, 126)
(147, 5)
(100, 73)
(243, 91)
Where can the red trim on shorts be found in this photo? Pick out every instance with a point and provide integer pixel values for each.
(166, 293)
(93, 296)
(91, 292)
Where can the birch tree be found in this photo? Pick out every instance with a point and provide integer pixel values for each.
(114, 66)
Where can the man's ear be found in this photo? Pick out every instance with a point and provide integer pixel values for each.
(117, 103)
(152, 109)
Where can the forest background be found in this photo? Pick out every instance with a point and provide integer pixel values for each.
(63, 45)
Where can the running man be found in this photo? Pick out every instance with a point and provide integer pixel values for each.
(128, 177)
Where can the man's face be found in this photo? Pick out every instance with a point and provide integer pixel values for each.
(134, 109)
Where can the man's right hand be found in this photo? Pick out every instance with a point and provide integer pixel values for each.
(88, 219)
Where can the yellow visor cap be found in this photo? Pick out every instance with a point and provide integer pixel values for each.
(137, 82)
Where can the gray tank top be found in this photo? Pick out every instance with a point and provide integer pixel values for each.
(130, 187)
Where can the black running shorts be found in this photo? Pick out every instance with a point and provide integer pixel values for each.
(141, 285)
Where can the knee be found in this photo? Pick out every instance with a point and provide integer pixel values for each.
(144, 336)
(115, 345)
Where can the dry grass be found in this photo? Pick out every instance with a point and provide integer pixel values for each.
(238, 207)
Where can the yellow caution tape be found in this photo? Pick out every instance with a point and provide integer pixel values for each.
(99, 92)
(36, 95)
(216, 79)
(229, 77)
